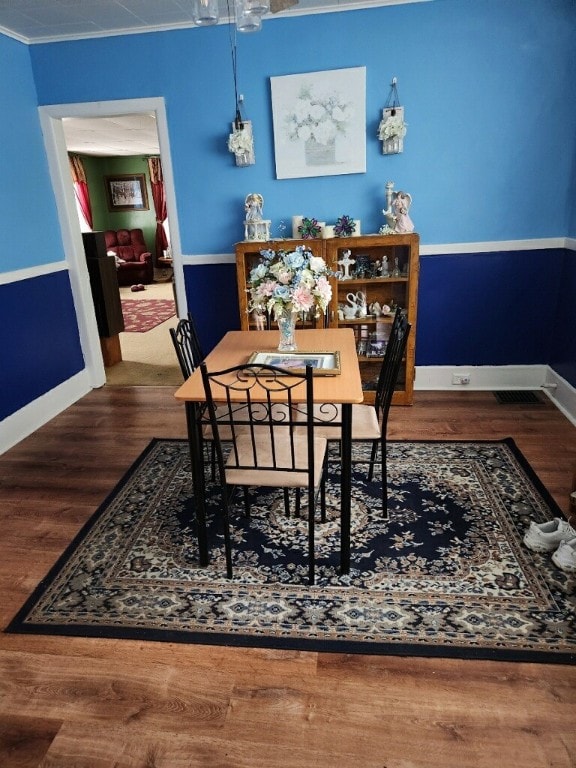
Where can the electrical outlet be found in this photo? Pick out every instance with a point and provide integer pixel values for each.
(460, 378)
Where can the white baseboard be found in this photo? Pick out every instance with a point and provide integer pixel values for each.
(562, 394)
(481, 377)
(19, 425)
(486, 377)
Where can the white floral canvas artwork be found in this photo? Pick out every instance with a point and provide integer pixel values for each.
(319, 123)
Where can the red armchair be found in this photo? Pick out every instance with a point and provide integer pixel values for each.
(134, 260)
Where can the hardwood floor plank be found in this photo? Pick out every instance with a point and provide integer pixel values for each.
(100, 703)
(24, 741)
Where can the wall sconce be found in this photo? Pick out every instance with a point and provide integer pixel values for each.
(392, 128)
(241, 141)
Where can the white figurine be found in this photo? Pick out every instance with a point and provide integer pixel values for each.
(255, 227)
(253, 206)
(396, 212)
(401, 206)
(346, 262)
(388, 212)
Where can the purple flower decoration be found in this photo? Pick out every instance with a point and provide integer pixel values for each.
(345, 226)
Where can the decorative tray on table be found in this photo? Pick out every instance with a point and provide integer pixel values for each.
(323, 363)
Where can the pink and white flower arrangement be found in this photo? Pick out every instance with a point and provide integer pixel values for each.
(289, 281)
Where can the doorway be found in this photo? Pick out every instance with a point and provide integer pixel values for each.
(52, 118)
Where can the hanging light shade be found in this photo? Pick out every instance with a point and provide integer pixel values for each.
(246, 19)
(205, 12)
(259, 7)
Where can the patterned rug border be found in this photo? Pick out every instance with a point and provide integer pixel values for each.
(18, 626)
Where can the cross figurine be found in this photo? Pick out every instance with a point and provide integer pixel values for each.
(346, 262)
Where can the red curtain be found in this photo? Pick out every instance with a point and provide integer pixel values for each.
(159, 197)
(81, 187)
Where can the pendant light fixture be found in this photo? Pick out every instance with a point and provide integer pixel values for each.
(205, 12)
(257, 7)
(248, 18)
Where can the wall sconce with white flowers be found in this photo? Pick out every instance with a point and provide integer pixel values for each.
(392, 128)
(241, 141)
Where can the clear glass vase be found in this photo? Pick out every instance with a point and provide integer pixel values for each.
(286, 325)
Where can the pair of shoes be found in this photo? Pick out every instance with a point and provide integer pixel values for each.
(556, 536)
(545, 537)
(565, 556)
(138, 287)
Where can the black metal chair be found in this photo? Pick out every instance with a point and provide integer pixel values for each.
(395, 351)
(255, 408)
(187, 346)
(190, 355)
(370, 422)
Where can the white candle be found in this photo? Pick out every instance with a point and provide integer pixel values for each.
(296, 222)
(328, 231)
(357, 230)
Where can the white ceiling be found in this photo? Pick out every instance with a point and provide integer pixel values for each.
(112, 136)
(38, 21)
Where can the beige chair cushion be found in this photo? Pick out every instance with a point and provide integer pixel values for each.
(274, 478)
(365, 424)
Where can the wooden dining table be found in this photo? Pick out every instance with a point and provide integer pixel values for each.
(343, 388)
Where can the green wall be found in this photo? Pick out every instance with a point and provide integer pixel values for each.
(97, 168)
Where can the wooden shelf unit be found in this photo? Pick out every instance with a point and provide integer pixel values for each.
(395, 291)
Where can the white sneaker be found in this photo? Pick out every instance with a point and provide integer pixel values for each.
(545, 537)
(565, 556)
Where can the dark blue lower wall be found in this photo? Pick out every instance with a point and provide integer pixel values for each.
(488, 308)
(500, 308)
(212, 296)
(40, 341)
(563, 342)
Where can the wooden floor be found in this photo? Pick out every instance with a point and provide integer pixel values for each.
(90, 703)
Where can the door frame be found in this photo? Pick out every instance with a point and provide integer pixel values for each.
(51, 117)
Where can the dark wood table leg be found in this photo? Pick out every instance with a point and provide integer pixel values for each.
(346, 488)
(198, 488)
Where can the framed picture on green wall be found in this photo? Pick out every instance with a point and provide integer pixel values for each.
(127, 192)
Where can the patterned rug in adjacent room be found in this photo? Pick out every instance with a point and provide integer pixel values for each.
(446, 575)
(141, 315)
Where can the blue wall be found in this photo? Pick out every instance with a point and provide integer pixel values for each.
(562, 354)
(42, 348)
(27, 207)
(489, 156)
(487, 308)
(39, 341)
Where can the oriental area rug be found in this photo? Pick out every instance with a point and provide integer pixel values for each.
(141, 315)
(447, 574)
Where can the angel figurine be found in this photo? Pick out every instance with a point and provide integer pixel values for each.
(400, 206)
(396, 212)
(255, 227)
(253, 206)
